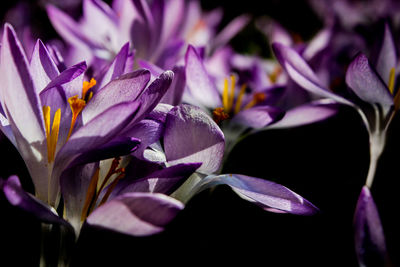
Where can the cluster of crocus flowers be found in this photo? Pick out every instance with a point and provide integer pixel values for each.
(139, 109)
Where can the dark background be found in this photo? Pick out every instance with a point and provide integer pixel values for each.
(326, 163)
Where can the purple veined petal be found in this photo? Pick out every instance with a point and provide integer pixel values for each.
(99, 20)
(192, 136)
(154, 69)
(258, 116)
(387, 58)
(96, 133)
(65, 79)
(119, 146)
(302, 74)
(70, 30)
(230, 30)
(163, 181)
(157, 8)
(268, 195)
(148, 131)
(152, 95)
(220, 62)
(54, 51)
(306, 114)
(137, 214)
(115, 69)
(125, 88)
(17, 197)
(366, 83)
(199, 82)
(74, 183)
(174, 94)
(369, 237)
(42, 67)
(170, 54)
(22, 108)
(172, 24)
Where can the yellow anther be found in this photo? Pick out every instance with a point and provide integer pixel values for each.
(225, 95)
(232, 93)
(76, 104)
(51, 135)
(275, 74)
(257, 98)
(220, 115)
(391, 80)
(86, 86)
(240, 99)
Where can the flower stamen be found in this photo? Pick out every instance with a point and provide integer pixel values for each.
(220, 115)
(51, 135)
(391, 80)
(257, 98)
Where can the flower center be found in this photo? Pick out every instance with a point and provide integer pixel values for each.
(52, 130)
(93, 194)
(232, 105)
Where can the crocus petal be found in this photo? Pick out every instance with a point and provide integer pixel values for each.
(269, 195)
(148, 131)
(68, 28)
(387, 58)
(174, 94)
(302, 74)
(163, 181)
(192, 136)
(42, 67)
(230, 30)
(18, 197)
(21, 104)
(116, 68)
(95, 133)
(123, 89)
(369, 237)
(258, 117)
(137, 214)
(366, 83)
(74, 184)
(119, 146)
(306, 114)
(199, 82)
(153, 94)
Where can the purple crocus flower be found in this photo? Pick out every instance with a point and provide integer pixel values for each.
(375, 99)
(155, 35)
(58, 125)
(191, 136)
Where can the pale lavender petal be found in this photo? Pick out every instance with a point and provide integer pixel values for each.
(74, 183)
(21, 104)
(154, 69)
(199, 82)
(366, 83)
(16, 195)
(306, 114)
(302, 74)
(369, 236)
(115, 69)
(230, 30)
(125, 88)
(387, 58)
(153, 94)
(257, 117)
(137, 214)
(68, 28)
(42, 67)
(148, 132)
(172, 23)
(317, 44)
(192, 136)
(269, 195)
(163, 181)
(174, 94)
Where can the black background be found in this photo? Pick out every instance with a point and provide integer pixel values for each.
(326, 163)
